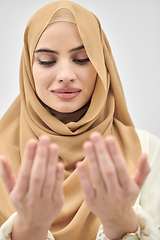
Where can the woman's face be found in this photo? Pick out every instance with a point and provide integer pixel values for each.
(63, 75)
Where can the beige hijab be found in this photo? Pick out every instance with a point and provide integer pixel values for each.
(29, 118)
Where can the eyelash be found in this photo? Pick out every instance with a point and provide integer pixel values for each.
(46, 63)
(81, 61)
(77, 61)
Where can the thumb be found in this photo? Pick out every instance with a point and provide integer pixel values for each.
(142, 171)
(7, 174)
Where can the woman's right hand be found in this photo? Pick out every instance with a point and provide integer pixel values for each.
(37, 194)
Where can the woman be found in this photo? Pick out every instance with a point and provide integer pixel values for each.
(70, 95)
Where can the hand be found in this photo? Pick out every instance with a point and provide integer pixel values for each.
(111, 191)
(37, 193)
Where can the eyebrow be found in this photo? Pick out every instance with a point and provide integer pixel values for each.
(46, 50)
(55, 52)
(77, 48)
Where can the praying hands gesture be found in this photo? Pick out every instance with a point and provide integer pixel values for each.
(37, 193)
(112, 191)
(38, 197)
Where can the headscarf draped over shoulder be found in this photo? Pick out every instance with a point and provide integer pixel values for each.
(29, 118)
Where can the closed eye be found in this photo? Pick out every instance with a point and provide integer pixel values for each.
(81, 61)
(46, 63)
(77, 61)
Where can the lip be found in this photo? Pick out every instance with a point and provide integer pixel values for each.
(66, 93)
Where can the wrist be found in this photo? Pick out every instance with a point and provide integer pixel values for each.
(117, 229)
(134, 236)
(22, 230)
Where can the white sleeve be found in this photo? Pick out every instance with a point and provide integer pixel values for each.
(147, 205)
(149, 197)
(6, 229)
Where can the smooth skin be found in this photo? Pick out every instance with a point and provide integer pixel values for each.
(112, 191)
(37, 194)
(60, 63)
(38, 197)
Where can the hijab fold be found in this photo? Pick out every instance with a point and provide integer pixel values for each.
(106, 112)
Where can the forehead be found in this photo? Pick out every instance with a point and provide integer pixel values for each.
(60, 34)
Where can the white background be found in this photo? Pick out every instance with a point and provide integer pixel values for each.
(133, 30)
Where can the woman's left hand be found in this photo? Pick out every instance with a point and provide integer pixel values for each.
(111, 192)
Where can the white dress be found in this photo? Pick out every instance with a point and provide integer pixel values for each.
(147, 205)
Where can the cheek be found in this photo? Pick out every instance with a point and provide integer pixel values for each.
(91, 76)
(42, 78)
(89, 80)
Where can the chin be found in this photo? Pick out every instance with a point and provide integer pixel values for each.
(67, 111)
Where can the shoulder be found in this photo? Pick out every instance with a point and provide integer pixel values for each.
(149, 197)
(150, 143)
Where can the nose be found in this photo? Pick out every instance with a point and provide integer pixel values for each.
(66, 72)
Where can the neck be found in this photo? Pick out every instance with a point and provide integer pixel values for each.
(70, 117)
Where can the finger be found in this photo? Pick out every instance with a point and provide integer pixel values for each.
(58, 188)
(38, 171)
(143, 170)
(106, 165)
(119, 161)
(26, 166)
(86, 185)
(94, 169)
(7, 174)
(50, 178)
